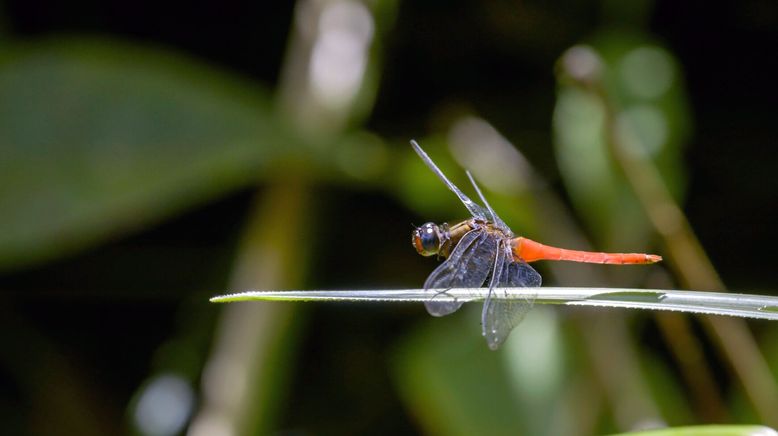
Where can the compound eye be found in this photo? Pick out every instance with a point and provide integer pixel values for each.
(426, 239)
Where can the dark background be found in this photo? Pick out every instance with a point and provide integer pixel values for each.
(104, 311)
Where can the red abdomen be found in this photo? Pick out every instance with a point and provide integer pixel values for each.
(530, 251)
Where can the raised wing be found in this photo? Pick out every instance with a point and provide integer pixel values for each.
(500, 316)
(476, 210)
(496, 220)
(468, 266)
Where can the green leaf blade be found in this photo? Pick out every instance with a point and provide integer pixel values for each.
(100, 138)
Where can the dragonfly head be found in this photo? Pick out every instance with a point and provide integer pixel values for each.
(428, 239)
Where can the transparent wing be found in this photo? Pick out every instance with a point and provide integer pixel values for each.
(488, 312)
(494, 218)
(500, 316)
(474, 209)
(468, 266)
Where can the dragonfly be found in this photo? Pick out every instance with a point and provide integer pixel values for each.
(483, 249)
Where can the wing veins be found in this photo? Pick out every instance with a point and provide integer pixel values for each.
(461, 269)
(501, 316)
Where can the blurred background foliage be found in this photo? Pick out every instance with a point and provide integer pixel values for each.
(153, 155)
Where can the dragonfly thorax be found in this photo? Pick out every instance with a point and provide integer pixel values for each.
(432, 239)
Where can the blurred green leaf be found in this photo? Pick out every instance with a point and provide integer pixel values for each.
(456, 386)
(453, 383)
(646, 83)
(709, 430)
(98, 138)
(648, 112)
(666, 388)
